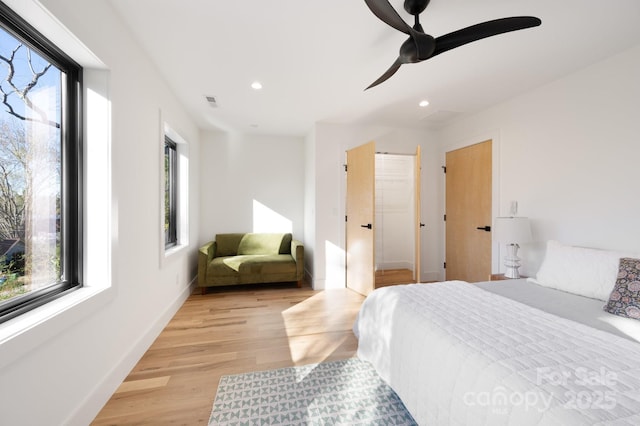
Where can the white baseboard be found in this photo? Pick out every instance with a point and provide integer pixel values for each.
(318, 284)
(102, 392)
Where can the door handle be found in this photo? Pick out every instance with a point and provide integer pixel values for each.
(484, 228)
(368, 226)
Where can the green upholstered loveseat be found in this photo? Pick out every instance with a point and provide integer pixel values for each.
(250, 258)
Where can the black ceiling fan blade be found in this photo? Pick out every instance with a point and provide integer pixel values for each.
(383, 10)
(391, 71)
(483, 30)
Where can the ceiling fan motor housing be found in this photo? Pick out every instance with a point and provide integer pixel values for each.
(415, 7)
(417, 48)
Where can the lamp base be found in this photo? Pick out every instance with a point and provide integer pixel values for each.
(512, 261)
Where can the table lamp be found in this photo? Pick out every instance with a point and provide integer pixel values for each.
(512, 231)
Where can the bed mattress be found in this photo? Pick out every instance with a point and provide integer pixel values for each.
(459, 355)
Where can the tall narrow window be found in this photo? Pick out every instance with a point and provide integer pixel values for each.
(40, 169)
(170, 193)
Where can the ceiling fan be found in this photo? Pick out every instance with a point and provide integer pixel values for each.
(420, 46)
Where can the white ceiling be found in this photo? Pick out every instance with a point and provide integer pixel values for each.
(314, 58)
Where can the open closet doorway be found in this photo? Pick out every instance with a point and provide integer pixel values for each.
(395, 234)
(383, 218)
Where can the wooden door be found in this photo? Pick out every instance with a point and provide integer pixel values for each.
(360, 210)
(417, 216)
(468, 207)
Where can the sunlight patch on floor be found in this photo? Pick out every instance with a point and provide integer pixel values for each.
(321, 325)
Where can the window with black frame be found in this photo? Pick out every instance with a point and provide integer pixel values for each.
(170, 193)
(40, 169)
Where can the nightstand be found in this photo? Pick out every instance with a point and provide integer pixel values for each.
(500, 277)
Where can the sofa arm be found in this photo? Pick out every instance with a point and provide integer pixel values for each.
(205, 255)
(297, 251)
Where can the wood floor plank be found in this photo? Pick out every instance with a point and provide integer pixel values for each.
(143, 384)
(231, 331)
(387, 277)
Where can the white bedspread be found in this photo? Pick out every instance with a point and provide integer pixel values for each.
(458, 355)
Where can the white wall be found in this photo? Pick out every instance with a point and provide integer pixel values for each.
(330, 142)
(568, 153)
(395, 211)
(239, 171)
(310, 202)
(62, 370)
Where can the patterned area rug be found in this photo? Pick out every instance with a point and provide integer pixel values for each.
(347, 392)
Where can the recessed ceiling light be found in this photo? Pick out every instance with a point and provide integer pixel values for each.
(256, 85)
(424, 103)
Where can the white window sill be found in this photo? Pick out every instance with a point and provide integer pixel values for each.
(25, 333)
(175, 250)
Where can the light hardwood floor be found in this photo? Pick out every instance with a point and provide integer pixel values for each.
(231, 331)
(386, 277)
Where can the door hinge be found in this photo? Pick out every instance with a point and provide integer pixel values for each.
(445, 265)
(445, 217)
(345, 167)
(444, 169)
(345, 218)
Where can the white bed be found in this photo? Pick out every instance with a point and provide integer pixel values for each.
(502, 353)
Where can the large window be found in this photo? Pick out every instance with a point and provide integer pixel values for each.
(170, 193)
(40, 169)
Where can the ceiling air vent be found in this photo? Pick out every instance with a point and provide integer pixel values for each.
(212, 101)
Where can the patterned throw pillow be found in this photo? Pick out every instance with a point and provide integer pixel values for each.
(625, 297)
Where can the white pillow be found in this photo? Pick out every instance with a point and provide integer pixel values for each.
(584, 271)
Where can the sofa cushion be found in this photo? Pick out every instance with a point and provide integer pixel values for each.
(268, 264)
(222, 267)
(254, 243)
(227, 244)
(252, 264)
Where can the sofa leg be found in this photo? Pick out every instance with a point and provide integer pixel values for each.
(299, 283)
(203, 290)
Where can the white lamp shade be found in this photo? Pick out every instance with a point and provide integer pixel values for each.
(512, 230)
